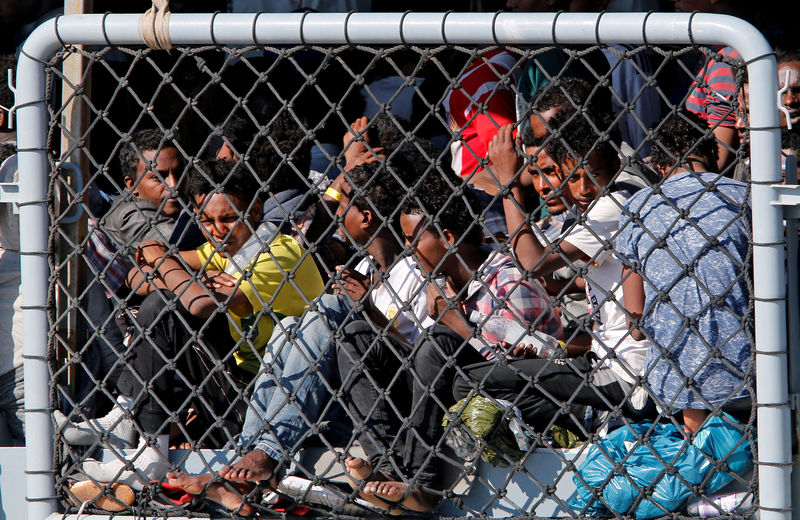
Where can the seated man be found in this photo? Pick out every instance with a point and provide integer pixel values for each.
(151, 168)
(446, 240)
(697, 219)
(147, 209)
(202, 337)
(292, 393)
(548, 392)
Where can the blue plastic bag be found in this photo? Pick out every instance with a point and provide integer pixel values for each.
(659, 468)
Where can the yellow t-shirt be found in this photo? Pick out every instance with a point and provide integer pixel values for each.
(277, 284)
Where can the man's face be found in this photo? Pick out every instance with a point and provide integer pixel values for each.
(586, 184)
(225, 220)
(156, 184)
(741, 113)
(352, 217)
(546, 176)
(225, 153)
(791, 98)
(547, 180)
(428, 247)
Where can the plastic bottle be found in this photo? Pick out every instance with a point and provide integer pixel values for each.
(510, 331)
(725, 503)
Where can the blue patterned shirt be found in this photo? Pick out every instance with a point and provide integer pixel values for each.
(689, 240)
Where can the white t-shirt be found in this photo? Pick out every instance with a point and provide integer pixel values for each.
(596, 239)
(402, 297)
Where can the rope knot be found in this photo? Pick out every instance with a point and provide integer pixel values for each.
(154, 26)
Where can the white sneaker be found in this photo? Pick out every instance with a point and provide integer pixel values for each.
(147, 463)
(118, 429)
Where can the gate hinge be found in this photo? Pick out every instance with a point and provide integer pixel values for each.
(9, 192)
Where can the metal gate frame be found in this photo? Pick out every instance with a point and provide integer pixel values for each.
(770, 281)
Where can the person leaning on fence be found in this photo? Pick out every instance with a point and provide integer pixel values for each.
(147, 209)
(551, 391)
(549, 181)
(439, 223)
(203, 336)
(383, 293)
(685, 248)
(151, 168)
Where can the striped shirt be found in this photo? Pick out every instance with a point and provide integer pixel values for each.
(713, 97)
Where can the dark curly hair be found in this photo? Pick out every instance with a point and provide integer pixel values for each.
(142, 141)
(381, 186)
(385, 132)
(568, 95)
(787, 56)
(239, 132)
(220, 176)
(683, 134)
(574, 138)
(448, 203)
(282, 158)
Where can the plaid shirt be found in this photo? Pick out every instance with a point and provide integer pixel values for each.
(501, 288)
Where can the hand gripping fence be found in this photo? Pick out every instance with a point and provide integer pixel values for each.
(217, 393)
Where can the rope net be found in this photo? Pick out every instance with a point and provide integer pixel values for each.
(405, 279)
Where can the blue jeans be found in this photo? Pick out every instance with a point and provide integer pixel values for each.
(294, 385)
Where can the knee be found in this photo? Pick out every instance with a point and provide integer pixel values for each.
(153, 307)
(435, 346)
(355, 342)
(462, 388)
(330, 303)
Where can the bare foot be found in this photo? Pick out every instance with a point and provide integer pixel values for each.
(230, 495)
(361, 471)
(399, 492)
(255, 466)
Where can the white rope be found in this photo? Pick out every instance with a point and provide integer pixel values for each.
(154, 26)
(80, 509)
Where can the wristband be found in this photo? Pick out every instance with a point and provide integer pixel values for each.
(332, 193)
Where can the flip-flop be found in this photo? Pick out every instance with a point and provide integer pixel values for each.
(164, 493)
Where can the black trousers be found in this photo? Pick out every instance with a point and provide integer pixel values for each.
(440, 357)
(397, 396)
(556, 391)
(179, 361)
(375, 393)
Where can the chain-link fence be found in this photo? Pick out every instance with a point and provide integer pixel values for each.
(372, 273)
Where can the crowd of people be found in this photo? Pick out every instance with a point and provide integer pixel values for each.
(576, 247)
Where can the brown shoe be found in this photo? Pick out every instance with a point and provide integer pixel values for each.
(117, 497)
